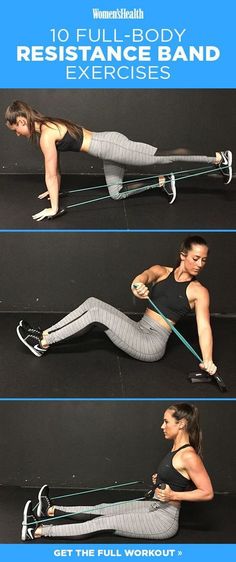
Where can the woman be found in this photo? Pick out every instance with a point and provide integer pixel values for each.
(181, 476)
(59, 135)
(176, 291)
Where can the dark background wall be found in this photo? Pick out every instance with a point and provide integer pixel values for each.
(202, 120)
(57, 271)
(88, 444)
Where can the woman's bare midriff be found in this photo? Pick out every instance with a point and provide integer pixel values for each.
(158, 318)
(87, 137)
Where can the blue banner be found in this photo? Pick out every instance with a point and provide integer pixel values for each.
(52, 552)
(118, 44)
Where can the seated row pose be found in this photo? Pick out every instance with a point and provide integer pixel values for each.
(181, 476)
(175, 290)
(114, 149)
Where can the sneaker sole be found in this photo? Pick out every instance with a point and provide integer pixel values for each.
(173, 187)
(24, 522)
(34, 351)
(39, 508)
(228, 175)
(230, 160)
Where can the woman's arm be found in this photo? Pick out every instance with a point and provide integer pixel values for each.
(202, 302)
(145, 278)
(199, 476)
(52, 175)
(46, 193)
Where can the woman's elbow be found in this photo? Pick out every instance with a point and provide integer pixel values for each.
(208, 495)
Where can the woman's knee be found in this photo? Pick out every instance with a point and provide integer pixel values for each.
(116, 194)
(91, 302)
(95, 309)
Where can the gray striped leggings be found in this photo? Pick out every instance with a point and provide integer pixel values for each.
(117, 151)
(135, 519)
(144, 340)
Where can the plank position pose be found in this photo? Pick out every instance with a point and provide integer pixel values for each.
(56, 135)
(181, 476)
(176, 291)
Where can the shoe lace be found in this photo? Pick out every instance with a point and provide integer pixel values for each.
(34, 331)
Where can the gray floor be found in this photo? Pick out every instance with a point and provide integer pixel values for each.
(202, 203)
(92, 367)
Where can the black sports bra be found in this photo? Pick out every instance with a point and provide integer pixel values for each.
(170, 297)
(69, 143)
(168, 474)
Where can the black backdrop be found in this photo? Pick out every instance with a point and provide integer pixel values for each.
(57, 271)
(86, 444)
(202, 120)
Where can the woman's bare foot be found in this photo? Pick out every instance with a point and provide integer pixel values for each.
(44, 344)
(38, 533)
(218, 159)
(51, 511)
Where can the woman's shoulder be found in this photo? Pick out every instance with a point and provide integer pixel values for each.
(199, 289)
(52, 131)
(189, 455)
(165, 269)
(161, 271)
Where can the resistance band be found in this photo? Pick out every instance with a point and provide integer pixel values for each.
(94, 490)
(206, 169)
(98, 489)
(216, 377)
(136, 190)
(81, 512)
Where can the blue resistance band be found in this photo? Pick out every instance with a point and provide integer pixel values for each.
(173, 328)
(94, 490)
(152, 186)
(216, 377)
(51, 519)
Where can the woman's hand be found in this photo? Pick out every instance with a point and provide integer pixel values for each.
(43, 195)
(44, 214)
(165, 495)
(140, 290)
(209, 367)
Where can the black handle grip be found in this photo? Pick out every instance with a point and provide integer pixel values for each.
(219, 381)
(150, 494)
